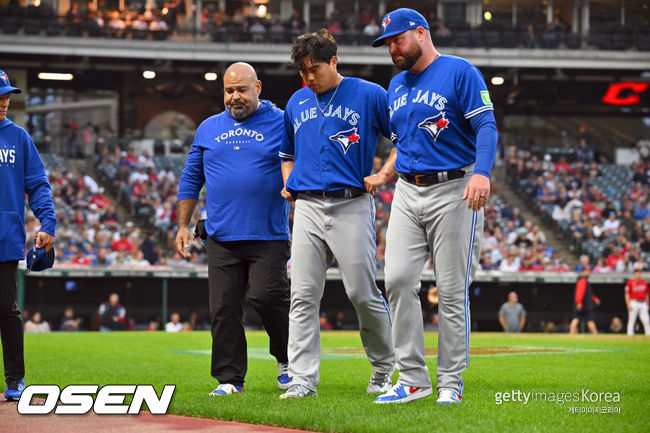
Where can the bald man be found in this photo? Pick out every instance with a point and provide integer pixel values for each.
(235, 154)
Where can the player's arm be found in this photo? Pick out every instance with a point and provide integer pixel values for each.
(287, 168)
(189, 186)
(502, 322)
(477, 190)
(477, 108)
(39, 195)
(627, 302)
(184, 211)
(379, 179)
(581, 288)
(287, 152)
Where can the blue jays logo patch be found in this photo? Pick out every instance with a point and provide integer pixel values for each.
(434, 125)
(385, 23)
(346, 138)
(4, 79)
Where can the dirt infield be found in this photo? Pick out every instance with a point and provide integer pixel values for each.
(12, 421)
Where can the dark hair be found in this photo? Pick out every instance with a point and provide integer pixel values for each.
(320, 46)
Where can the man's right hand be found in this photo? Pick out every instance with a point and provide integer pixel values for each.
(287, 195)
(183, 242)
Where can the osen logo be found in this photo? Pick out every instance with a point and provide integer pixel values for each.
(109, 400)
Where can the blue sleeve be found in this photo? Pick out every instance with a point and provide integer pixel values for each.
(485, 127)
(193, 177)
(287, 152)
(38, 187)
(473, 93)
(381, 111)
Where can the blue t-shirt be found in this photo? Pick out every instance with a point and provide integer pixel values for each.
(430, 116)
(238, 161)
(333, 149)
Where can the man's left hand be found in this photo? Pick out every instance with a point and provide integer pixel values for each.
(477, 192)
(45, 240)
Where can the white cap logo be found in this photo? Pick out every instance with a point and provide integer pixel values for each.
(411, 23)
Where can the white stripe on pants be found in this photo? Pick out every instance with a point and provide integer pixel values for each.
(640, 310)
(431, 219)
(346, 228)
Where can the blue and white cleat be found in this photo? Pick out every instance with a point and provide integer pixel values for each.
(401, 393)
(448, 396)
(226, 389)
(14, 392)
(284, 381)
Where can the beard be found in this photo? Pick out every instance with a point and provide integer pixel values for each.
(409, 58)
(238, 113)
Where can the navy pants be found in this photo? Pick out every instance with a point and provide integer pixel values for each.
(11, 325)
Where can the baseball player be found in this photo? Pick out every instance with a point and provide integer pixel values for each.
(331, 136)
(235, 154)
(21, 172)
(444, 136)
(584, 302)
(637, 300)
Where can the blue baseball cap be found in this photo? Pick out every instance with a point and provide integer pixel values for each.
(39, 260)
(399, 21)
(5, 85)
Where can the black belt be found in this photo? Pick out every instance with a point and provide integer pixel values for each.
(339, 193)
(433, 178)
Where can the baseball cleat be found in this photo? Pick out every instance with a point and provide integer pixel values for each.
(380, 382)
(401, 393)
(14, 391)
(298, 391)
(226, 389)
(284, 381)
(447, 396)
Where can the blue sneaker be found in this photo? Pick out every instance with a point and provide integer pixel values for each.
(284, 381)
(226, 389)
(447, 396)
(12, 394)
(401, 393)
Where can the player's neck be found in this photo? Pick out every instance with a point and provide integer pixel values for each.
(334, 84)
(428, 56)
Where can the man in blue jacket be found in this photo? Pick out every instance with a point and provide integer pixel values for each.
(21, 172)
(235, 154)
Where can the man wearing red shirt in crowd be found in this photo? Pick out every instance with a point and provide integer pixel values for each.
(637, 299)
(585, 302)
(122, 245)
(100, 200)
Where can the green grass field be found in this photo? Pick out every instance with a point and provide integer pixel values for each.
(566, 364)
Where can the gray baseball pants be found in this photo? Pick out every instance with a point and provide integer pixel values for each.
(432, 219)
(344, 229)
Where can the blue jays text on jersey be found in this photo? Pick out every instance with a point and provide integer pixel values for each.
(7, 156)
(431, 116)
(239, 164)
(333, 145)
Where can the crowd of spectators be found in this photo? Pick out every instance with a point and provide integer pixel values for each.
(268, 27)
(603, 209)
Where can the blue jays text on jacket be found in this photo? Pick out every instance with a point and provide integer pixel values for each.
(21, 172)
(238, 162)
(442, 118)
(334, 148)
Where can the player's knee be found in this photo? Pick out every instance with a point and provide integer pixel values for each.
(401, 283)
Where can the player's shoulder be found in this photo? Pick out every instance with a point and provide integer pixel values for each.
(397, 80)
(9, 126)
(356, 84)
(212, 121)
(454, 62)
(299, 95)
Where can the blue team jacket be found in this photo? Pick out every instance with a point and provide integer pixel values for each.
(21, 172)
